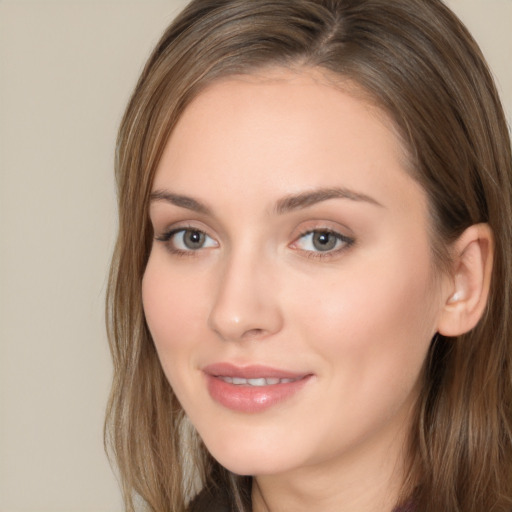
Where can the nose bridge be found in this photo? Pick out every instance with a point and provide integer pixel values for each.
(246, 303)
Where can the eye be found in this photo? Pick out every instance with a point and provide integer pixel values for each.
(187, 240)
(322, 241)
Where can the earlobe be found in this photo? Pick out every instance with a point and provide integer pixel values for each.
(466, 297)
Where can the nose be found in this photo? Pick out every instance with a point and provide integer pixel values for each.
(246, 305)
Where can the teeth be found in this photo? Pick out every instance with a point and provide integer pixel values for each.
(261, 381)
(257, 382)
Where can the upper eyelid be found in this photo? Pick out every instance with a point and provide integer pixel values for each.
(341, 236)
(181, 226)
(163, 223)
(322, 230)
(323, 226)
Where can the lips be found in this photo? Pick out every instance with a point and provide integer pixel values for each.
(252, 389)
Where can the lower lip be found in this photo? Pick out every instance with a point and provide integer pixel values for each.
(252, 399)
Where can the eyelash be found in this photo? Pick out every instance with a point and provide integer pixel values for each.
(324, 255)
(168, 235)
(318, 255)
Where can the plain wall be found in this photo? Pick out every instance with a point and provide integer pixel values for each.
(66, 71)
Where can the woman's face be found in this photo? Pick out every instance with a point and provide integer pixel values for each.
(290, 290)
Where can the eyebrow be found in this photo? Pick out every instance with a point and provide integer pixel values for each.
(309, 198)
(180, 200)
(284, 205)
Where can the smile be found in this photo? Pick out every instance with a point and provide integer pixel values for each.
(252, 389)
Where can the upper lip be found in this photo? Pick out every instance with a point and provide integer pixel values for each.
(250, 371)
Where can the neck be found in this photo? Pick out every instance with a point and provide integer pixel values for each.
(368, 480)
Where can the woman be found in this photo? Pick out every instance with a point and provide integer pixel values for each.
(309, 298)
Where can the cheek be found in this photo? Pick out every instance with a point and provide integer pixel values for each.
(172, 310)
(374, 326)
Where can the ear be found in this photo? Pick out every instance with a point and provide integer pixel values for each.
(466, 294)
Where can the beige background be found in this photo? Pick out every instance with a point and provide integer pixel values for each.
(66, 71)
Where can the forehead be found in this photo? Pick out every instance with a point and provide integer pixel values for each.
(279, 132)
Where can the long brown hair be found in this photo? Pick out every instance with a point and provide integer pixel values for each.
(417, 61)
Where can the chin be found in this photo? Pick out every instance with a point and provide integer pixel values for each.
(252, 466)
(248, 457)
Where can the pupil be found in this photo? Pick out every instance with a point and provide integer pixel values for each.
(324, 241)
(194, 239)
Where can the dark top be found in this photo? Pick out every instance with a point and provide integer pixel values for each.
(218, 502)
(205, 501)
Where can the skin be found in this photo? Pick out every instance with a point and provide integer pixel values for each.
(358, 318)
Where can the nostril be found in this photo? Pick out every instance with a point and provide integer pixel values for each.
(253, 333)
